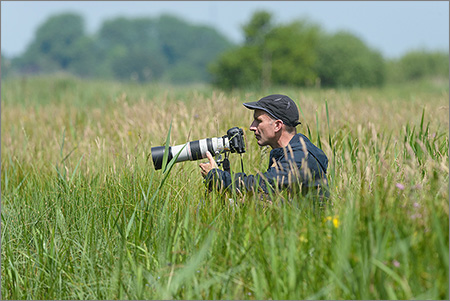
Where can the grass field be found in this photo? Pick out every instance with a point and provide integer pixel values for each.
(85, 215)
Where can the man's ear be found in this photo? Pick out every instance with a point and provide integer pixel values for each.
(278, 125)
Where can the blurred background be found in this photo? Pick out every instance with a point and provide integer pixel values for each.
(229, 44)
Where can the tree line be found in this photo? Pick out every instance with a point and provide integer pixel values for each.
(169, 49)
(139, 49)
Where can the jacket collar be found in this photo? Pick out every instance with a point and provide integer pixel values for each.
(277, 152)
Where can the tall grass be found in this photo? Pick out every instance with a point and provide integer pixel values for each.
(85, 215)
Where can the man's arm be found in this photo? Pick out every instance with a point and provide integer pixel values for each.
(220, 180)
(280, 174)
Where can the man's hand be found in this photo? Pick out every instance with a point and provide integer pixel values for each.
(206, 167)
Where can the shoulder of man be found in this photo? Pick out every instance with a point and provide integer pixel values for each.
(303, 142)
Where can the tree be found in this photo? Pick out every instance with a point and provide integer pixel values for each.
(281, 55)
(189, 49)
(344, 60)
(243, 66)
(166, 48)
(129, 49)
(240, 67)
(419, 64)
(59, 44)
(257, 29)
(291, 48)
(142, 49)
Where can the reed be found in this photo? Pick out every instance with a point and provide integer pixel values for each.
(85, 215)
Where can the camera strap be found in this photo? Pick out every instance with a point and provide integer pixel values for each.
(226, 163)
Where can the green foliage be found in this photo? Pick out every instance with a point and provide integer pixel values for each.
(163, 49)
(168, 49)
(189, 49)
(279, 55)
(128, 49)
(60, 44)
(238, 67)
(257, 28)
(141, 49)
(419, 64)
(344, 60)
(301, 54)
(291, 54)
(298, 54)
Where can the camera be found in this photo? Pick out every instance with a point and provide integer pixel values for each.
(232, 142)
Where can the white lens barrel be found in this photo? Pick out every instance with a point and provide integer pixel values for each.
(184, 155)
(194, 150)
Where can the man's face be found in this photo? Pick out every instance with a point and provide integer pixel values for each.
(264, 127)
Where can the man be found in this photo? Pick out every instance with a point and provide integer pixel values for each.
(294, 161)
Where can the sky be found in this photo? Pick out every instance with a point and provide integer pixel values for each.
(391, 27)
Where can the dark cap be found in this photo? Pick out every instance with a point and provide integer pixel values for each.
(278, 106)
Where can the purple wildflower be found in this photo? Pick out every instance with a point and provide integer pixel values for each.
(400, 186)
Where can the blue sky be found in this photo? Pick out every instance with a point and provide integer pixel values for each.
(392, 27)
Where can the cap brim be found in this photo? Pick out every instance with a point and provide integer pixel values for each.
(255, 106)
(252, 106)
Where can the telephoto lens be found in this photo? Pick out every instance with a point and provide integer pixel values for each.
(192, 151)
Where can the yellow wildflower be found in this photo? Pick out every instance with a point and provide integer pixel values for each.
(303, 238)
(336, 222)
(333, 219)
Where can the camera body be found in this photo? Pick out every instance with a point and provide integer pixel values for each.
(236, 140)
(233, 142)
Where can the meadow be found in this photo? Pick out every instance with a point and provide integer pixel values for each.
(84, 215)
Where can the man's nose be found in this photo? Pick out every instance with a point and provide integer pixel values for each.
(252, 127)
